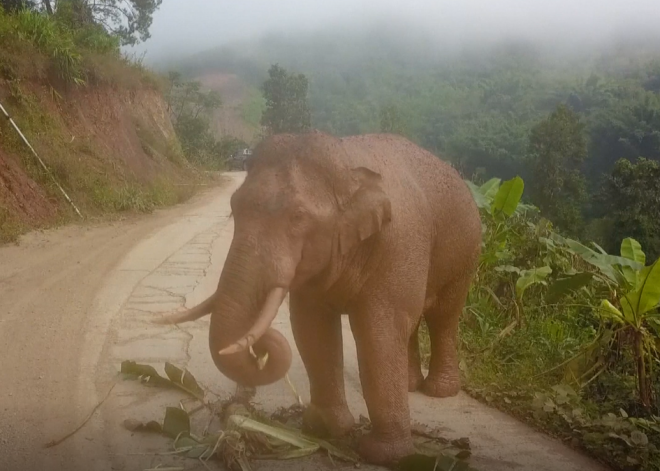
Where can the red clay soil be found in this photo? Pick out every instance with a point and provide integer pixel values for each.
(113, 134)
(22, 196)
(111, 120)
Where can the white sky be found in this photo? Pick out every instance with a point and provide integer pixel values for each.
(188, 26)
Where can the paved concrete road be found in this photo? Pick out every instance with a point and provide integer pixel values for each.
(76, 302)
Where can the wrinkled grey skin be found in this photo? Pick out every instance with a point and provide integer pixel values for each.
(369, 226)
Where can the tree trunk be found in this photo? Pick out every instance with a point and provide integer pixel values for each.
(49, 6)
(644, 392)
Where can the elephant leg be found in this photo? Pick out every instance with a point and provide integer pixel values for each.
(415, 376)
(442, 319)
(318, 336)
(381, 335)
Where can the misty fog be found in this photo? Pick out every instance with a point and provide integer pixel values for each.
(183, 28)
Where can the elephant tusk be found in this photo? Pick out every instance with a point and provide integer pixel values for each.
(268, 312)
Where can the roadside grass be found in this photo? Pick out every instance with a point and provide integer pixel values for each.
(544, 337)
(36, 46)
(10, 228)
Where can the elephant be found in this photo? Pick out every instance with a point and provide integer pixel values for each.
(370, 226)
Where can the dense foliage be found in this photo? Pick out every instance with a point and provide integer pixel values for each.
(127, 20)
(564, 334)
(630, 198)
(65, 49)
(287, 107)
(191, 110)
(557, 149)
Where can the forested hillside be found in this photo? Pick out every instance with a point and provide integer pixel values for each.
(477, 106)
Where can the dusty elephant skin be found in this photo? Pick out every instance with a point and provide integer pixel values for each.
(370, 226)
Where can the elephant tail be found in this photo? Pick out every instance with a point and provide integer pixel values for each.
(192, 314)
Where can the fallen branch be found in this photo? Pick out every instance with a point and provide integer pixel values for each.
(70, 434)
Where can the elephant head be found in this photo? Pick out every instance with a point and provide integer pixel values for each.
(303, 208)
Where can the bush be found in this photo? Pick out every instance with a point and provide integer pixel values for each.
(563, 334)
(75, 53)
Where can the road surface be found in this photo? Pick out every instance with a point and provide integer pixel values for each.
(75, 302)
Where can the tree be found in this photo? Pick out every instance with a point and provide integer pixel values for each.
(557, 150)
(630, 199)
(626, 129)
(287, 109)
(188, 100)
(391, 120)
(192, 109)
(129, 20)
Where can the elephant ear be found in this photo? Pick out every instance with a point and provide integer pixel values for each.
(367, 211)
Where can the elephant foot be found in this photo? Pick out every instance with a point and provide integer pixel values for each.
(327, 421)
(442, 386)
(378, 451)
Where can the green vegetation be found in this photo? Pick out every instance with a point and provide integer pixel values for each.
(10, 228)
(630, 203)
(127, 22)
(564, 335)
(287, 109)
(64, 50)
(253, 108)
(191, 111)
(391, 121)
(557, 149)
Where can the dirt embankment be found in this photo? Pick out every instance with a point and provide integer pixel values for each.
(112, 150)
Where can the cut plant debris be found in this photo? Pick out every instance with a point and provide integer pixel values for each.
(245, 434)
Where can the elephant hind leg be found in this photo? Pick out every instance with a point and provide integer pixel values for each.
(415, 375)
(442, 319)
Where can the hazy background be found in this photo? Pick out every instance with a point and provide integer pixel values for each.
(186, 27)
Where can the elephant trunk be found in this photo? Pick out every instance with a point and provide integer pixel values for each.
(241, 318)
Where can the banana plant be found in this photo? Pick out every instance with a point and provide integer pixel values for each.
(635, 309)
(500, 199)
(497, 202)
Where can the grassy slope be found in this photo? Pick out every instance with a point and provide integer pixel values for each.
(97, 120)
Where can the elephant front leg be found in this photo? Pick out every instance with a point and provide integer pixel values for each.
(318, 335)
(381, 336)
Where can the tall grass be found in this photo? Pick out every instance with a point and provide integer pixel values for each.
(73, 52)
(48, 37)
